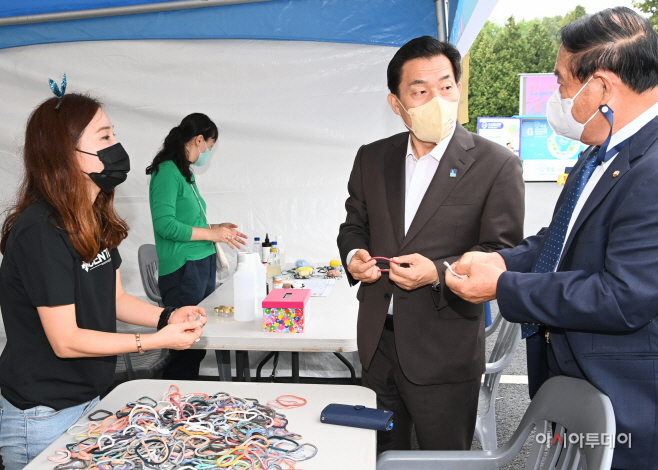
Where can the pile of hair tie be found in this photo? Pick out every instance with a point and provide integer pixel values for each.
(185, 432)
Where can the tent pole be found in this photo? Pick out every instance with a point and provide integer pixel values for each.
(119, 11)
(441, 19)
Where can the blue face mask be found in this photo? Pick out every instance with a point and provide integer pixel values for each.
(203, 156)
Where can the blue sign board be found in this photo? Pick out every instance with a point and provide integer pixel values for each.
(544, 153)
(504, 131)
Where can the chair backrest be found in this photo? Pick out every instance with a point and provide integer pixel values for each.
(489, 330)
(504, 347)
(501, 355)
(148, 269)
(574, 406)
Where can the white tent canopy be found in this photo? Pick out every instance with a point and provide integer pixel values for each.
(292, 113)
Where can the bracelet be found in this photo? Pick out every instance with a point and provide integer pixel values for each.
(164, 317)
(138, 340)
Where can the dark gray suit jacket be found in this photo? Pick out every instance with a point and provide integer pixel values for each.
(439, 337)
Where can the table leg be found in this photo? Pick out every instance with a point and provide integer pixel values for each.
(262, 364)
(344, 360)
(242, 373)
(246, 371)
(295, 367)
(224, 365)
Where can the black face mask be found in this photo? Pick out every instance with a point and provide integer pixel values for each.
(117, 165)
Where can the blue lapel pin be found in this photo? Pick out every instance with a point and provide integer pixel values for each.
(453, 173)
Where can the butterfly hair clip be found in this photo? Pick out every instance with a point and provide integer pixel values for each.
(59, 92)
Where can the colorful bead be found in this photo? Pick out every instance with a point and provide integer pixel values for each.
(283, 320)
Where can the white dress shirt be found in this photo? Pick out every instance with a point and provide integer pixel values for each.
(625, 132)
(418, 176)
(419, 173)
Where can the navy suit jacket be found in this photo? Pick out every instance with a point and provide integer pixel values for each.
(601, 304)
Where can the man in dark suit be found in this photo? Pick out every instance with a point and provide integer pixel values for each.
(422, 198)
(591, 279)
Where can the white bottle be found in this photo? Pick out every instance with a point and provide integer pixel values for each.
(261, 284)
(282, 250)
(261, 279)
(273, 263)
(242, 258)
(244, 293)
(257, 247)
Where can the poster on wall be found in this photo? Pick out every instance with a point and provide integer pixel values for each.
(536, 89)
(545, 154)
(503, 131)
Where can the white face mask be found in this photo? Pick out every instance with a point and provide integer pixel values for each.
(433, 121)
(559, 113)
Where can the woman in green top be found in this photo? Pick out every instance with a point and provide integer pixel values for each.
(184, 244)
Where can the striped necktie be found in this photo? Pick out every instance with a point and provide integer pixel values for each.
(557, 231)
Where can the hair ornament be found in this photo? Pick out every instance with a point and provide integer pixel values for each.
(56, 90)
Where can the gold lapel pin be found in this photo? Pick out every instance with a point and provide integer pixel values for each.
(615, 174)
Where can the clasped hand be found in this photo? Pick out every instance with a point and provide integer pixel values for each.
(421, 271)
(482, 271)
(184, 328)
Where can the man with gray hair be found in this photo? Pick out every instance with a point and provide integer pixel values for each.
(586, 287)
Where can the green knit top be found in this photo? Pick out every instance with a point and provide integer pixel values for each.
(174, 211)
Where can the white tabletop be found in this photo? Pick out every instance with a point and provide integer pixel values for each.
(337, 445)
(331, 328)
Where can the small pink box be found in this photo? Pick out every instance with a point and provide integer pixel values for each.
(285, 310)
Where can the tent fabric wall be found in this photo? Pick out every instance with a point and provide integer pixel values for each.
(36, 7)
(293, 115)
(383, 22)
(465, 19)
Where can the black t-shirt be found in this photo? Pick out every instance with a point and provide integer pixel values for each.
(41, 268)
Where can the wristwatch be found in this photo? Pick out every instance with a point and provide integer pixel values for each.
(436, 287)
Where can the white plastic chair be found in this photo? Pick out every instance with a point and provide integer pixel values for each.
(573, 405)
(147, 257)
(132, 366)
(501, 356)
(489, 330)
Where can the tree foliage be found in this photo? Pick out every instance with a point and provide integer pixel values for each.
(501, 53)
(651, 7)
(541, 50)
(574, 15)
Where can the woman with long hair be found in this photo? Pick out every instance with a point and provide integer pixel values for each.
(183, 241)
(60, 286)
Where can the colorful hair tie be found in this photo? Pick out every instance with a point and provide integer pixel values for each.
(287, 401)
(56, 90)
(194, 431)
